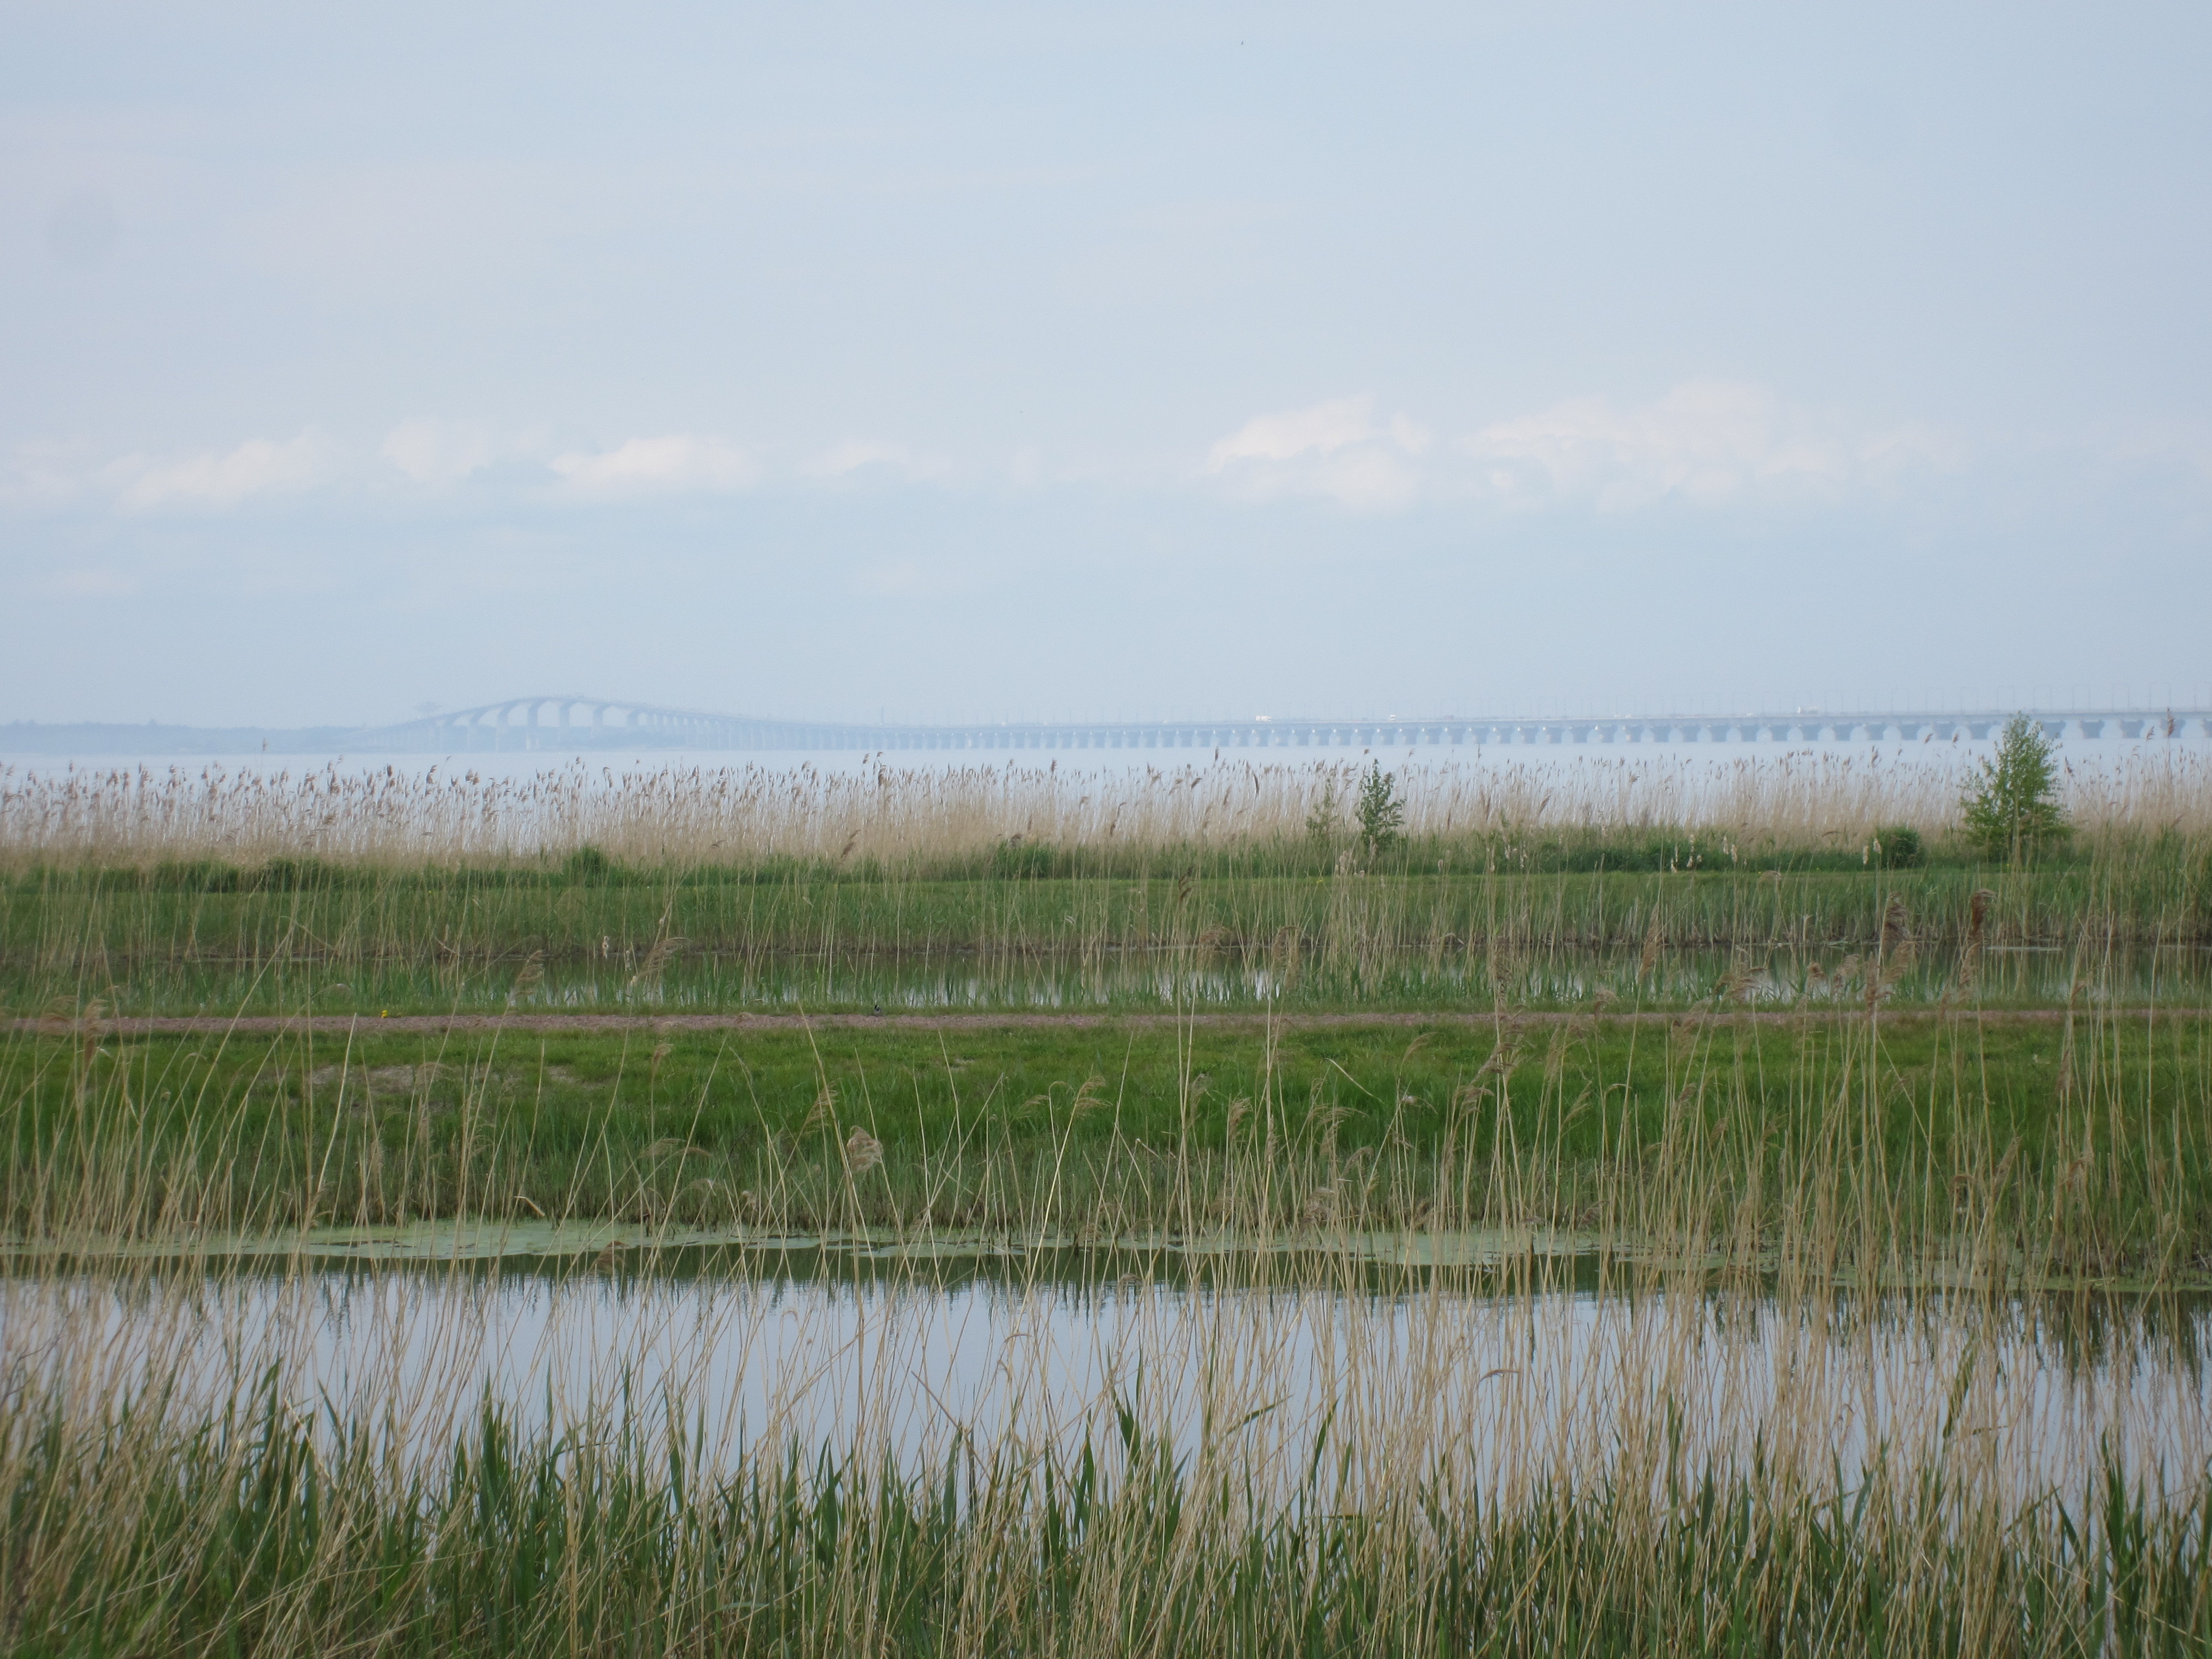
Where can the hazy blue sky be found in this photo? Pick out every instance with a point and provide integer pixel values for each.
(970, 361)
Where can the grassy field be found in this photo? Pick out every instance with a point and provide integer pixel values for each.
(2083, 1139)
(429, 940)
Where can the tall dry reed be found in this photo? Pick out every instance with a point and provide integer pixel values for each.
(896, 816)
(1752, 1441)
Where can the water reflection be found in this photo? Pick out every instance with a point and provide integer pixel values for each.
(1506, 1390)
(1134, 981)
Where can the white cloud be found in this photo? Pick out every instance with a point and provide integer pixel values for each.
(1706, 441)
(259, 467)
(440, 452)
(678, 462)
(864, 454)
(1323, 429)
(1410, 434)
(1334, 449)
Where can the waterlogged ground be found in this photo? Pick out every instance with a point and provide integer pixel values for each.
(1498, 1388)
(1152, 981)
(1475, 1259)
(2012, 977)
(1056, 1255)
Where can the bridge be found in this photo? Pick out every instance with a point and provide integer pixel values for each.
(575, 722)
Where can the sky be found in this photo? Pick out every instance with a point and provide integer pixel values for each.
(969, 362)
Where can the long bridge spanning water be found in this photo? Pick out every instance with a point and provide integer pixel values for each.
(575, 722)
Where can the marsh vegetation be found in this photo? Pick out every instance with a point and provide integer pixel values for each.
(1582, 1226)
(215, 894)
(1857, 1396)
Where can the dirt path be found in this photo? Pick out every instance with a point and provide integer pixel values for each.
(432, 1025)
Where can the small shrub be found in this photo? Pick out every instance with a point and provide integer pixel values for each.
(1322, 821)
(589, 864)
(2012, 807)
(196, 876)
(1900, 847)
(1382, 813)
(1024, 860)
(298, 876)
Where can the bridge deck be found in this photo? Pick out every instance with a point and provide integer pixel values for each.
(578, 722)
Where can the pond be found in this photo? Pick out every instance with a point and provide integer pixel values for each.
(1505, 1381)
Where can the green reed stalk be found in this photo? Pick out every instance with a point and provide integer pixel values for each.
(261, 1531)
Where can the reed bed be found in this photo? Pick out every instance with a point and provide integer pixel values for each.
(422, 1515)
(914, 819)
(1853, 1331)
(388, 891)
(1743, 1440)
(402, 943)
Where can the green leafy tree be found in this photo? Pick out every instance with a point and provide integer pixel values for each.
(1382, 814)
(2013, 806)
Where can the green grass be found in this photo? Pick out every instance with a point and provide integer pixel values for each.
(2087, 1142)
(1419, 930)
(254, 1534)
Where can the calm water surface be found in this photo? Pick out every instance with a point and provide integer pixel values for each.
(1500, 1388)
